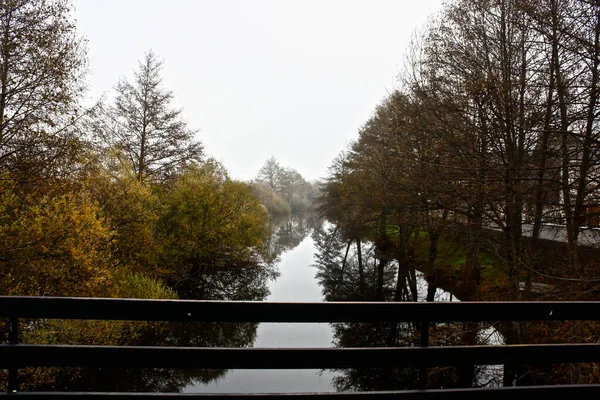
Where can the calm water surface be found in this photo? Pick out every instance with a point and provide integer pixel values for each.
(296, 283)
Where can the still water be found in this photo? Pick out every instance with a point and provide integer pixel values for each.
(296, 283)
(315, 264)
(299, 282)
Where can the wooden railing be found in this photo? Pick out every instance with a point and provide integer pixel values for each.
(15, 356)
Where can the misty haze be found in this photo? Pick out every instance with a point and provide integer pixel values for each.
(305, 198)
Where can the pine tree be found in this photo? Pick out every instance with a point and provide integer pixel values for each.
(151, 135)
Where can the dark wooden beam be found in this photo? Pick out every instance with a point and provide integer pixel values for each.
(232, 311)
(512, 393)
(21, 356)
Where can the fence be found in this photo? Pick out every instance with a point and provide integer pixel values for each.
(14, 356)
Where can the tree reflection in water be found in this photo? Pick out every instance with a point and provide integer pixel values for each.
(338, 266)
(289, 232)
(248, 282)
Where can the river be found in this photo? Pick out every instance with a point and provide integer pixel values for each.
(296, 283)
(315, 264)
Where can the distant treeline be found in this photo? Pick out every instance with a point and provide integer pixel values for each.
(283, 190)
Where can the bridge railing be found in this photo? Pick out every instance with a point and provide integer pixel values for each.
(15, 356)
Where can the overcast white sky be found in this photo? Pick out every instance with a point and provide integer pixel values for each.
(289, 79)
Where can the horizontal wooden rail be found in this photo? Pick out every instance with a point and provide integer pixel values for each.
(14, 356)
(21, 356)
(512, 393)
(233, 311)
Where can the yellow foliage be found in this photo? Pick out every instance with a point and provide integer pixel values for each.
(209, 221)
(53, 245)
(132, 211)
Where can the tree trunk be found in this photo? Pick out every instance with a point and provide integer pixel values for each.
(380, 271)
(361, 271)
(4, 77)
(584, 169)
(344, 262)
(401, 284)
(412, 282)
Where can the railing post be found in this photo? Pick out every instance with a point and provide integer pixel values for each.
(13, 338)
(424, 342)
